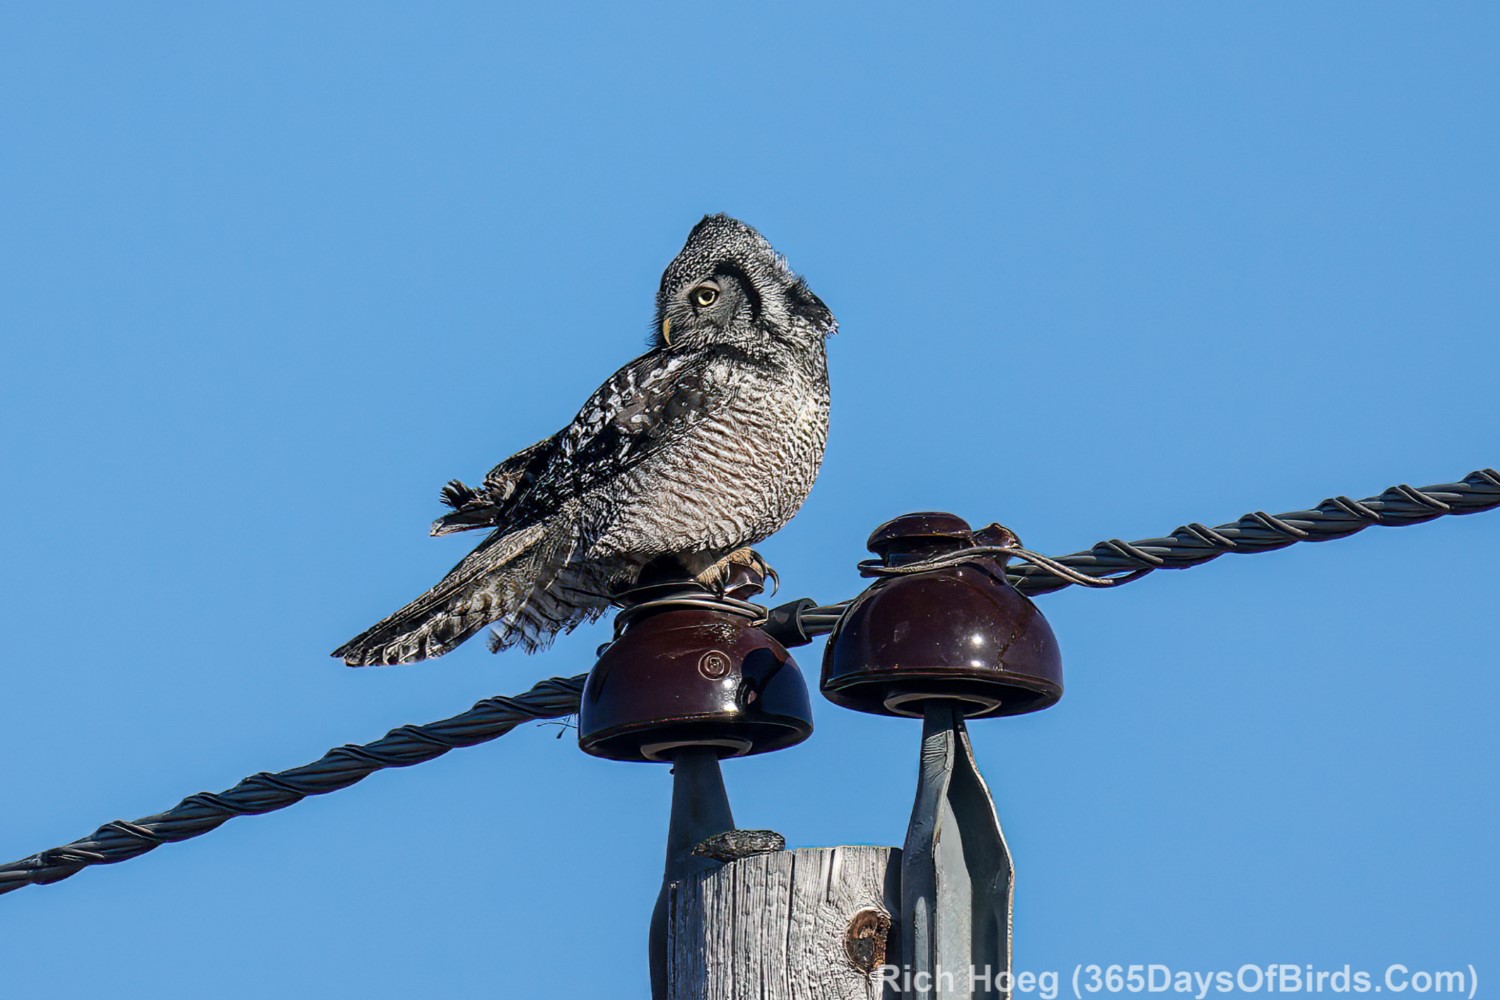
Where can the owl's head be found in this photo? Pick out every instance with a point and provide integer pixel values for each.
(729, 286)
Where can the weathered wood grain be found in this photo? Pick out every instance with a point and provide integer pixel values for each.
(809, 924)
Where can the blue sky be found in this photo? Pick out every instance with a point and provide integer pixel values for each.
(274, 273)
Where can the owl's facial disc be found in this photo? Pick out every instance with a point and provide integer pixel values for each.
(707, 308)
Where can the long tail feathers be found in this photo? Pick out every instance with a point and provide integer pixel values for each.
(520, 580)
(569, 598)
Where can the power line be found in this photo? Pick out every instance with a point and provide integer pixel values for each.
(264, 792)
(1336, 517)
(1195, 544)
(794, 624)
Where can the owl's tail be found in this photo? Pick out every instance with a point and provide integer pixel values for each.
(524, 580)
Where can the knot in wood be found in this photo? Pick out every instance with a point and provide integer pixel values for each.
(865, 940)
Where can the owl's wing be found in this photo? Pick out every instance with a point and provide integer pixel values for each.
(519, 471)
(495, 499)
(638, 411)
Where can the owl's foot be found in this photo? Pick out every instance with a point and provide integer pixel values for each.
(740, 574)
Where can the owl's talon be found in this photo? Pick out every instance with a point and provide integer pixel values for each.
(722, 576)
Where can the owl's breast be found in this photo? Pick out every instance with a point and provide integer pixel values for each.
(743, 467)
(778, 422)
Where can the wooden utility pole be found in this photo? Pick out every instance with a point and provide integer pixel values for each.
(809, 924)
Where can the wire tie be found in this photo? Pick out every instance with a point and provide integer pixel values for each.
(1277, 524)
(1061, 569)
(1356, 508)
(1135, 553)
(135, 830)
(1209, 536)
(70, 856)
(1422, 499)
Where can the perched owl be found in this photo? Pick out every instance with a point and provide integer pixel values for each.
(700, 447)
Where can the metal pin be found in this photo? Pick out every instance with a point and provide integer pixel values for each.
(956, 875)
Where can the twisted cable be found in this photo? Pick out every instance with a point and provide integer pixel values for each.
(260, 793)
(1108, 563)
(1336, 517)
(1117, 562)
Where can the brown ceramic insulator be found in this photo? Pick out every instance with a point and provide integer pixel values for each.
(689, 676)
(914, 537)
(959, 632)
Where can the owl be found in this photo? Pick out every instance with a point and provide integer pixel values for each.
(696, 450)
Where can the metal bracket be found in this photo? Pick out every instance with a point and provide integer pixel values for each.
(956, 875)
(700, 809)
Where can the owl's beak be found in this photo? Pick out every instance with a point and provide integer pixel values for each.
(666, 330)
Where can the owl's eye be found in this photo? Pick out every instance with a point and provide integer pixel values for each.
(705, 296)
